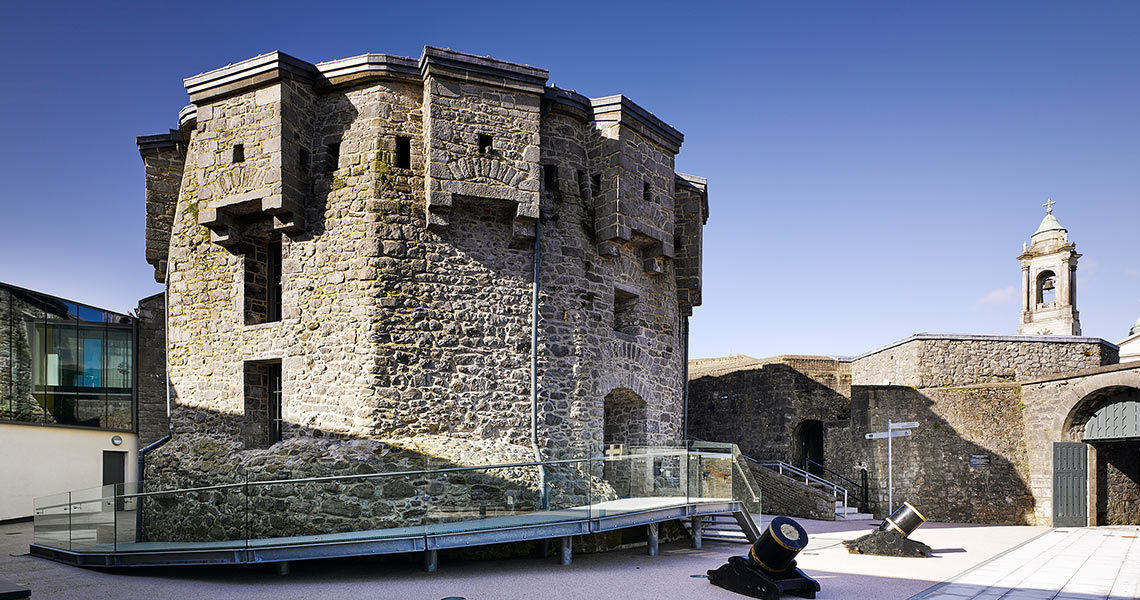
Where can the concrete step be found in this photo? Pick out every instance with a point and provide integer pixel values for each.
(722, 528)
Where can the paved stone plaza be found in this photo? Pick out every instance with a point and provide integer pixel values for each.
(1066, 564)
(975, 561)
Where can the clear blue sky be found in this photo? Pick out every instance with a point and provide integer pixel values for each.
(873, 167)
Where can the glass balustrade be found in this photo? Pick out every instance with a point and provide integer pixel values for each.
(422, 496)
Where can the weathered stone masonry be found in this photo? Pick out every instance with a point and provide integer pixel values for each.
(406, 196)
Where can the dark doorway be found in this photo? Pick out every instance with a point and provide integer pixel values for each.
(1118, 482)
(1070, 484)
(114, 467)
(810, 446)
(115, 473)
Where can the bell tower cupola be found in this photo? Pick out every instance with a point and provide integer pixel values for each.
(1049, 281)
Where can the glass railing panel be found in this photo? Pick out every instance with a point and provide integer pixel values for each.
(745, 488)
(126, 514)
(572, 482)
(643, 479)
(51, 523)
(93, 519)
(350, 508)
(711, 477)
(191, 519)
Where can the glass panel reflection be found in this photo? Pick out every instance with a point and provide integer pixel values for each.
(64, 363)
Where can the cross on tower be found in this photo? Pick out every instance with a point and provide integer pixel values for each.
(1049, 206)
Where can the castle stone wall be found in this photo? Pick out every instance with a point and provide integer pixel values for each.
(406, 291)
(967, 460)
(938, 361)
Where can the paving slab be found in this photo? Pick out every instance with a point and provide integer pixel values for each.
(1093, 563)
(677, 573)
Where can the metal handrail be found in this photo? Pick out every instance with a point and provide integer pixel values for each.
(808, 477)
(839, 475)
(327, 478)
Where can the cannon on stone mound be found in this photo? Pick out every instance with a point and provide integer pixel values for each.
(770, 567)
(892, 538)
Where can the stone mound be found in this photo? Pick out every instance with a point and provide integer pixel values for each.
(346, 502)
(887, 543)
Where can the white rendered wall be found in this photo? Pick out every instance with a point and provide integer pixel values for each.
(1130, 348)
(38, 461)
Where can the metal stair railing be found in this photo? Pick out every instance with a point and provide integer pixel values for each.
(861, 497)
(809, 478)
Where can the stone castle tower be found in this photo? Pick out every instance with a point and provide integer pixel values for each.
(1049, 281)
(352, 248)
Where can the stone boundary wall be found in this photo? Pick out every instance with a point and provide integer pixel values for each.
(151, 348)
(938, 361)
(966, 462)
(782, 496)
(759, 408)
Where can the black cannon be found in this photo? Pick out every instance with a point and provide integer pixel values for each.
(904, 520)
(770, 567)
(892, 537)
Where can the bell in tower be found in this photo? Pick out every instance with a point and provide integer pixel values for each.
(1049, 281)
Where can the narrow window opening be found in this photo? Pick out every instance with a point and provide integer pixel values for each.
(261, 425)
(303, 161)
(238, 153)
(485, 146)
(332, 156)
(625, 312)
(403, 152)
(262, 281)
(550, 177)
(583, 189)
(646, 192)
(273, 296)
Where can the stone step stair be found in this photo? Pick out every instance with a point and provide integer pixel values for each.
(722, 528)
(851, 513)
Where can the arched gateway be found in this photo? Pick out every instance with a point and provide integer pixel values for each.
(1083, 433)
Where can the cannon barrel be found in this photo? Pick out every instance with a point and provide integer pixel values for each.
(778, 546)
(905, 520)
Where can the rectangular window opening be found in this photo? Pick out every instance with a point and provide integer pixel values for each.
(332, 156)
(485, 146)
(596, 184)
(262, 423)
(403, 152)
(238, 153)
(262, 281)
(625, 312)
(647, 192)
(303, 161)
(550, 177)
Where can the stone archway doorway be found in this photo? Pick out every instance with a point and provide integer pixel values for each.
(808, 453)
(1108, 420)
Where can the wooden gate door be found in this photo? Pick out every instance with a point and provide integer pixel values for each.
(1070, 484)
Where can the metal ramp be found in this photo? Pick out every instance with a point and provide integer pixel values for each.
(104, 527)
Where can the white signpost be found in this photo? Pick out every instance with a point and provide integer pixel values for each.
(894, 430)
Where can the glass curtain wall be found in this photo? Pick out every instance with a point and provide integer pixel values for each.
(64, 363)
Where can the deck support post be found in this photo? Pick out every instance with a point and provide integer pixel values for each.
(431, 560)
(283, 567)
(652, 527)
(566, 550)
(698, 524)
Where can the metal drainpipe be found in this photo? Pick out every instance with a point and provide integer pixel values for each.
(685, 399)
(534, 363)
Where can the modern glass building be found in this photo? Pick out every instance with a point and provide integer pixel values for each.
(65, 364)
